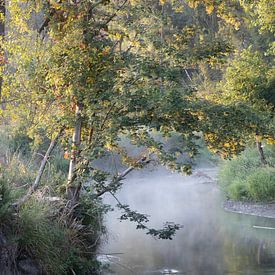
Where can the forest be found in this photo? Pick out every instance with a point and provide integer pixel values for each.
(92, 91)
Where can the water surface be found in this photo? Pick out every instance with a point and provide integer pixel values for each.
(212, 241)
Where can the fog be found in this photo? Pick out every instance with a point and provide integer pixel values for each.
(210, 242)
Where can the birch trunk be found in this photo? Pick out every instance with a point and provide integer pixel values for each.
(73, 189)
(261, 151)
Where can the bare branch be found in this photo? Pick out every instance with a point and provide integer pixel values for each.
(117, 179)
(36, 183)
(113, 15)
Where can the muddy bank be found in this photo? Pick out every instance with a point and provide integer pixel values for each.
(256, 209)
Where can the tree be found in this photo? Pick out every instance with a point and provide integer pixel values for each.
(106, 69)
(81, 75)
(249, 79)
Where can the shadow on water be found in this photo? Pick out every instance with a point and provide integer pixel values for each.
(212, 241)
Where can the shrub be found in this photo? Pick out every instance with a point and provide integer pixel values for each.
(43, 231)
(239, 167)
(5, 200)
(261, 184)
(238, 190)
(245, 178)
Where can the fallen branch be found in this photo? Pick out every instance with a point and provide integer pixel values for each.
(263, 227)
(36, 183)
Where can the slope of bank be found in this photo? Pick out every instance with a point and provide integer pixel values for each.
(266, 210)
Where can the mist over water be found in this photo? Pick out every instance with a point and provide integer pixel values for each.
(211, 241)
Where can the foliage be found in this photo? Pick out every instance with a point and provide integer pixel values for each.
(57, 245)
(245, 178)
(237, 190)
(263, 11)
(108, 72)
(167, 232)
(102, 70)
(42, 231)
(261, 184)
(5, 201)
(248, 80)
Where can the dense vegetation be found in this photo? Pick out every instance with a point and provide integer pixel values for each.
(43, 235)
(245, 178)
(80, 79)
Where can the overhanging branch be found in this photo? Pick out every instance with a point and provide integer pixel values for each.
(116, 181)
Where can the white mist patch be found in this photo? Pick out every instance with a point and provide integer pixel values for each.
(202, 246)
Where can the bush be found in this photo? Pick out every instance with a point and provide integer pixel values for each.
(6, 200)
(238, 190)
(245, 178)
(261, 184)
(43, 231)
(56, 243)
(239, 167)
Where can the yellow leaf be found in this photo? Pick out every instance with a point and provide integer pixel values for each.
(209, 9)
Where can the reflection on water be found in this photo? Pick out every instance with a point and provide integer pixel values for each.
(212, 241)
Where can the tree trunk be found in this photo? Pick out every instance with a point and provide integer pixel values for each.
(73, 189)
(261, 151)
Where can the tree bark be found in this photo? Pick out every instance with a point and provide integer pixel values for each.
(73, 189)
(40, 172)
(261, 151)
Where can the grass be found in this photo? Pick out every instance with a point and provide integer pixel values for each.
(245, 178)
(261, 184)
(43, 231)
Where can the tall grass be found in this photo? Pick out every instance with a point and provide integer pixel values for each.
(42, 230)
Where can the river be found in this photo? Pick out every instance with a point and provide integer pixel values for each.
(212, 241)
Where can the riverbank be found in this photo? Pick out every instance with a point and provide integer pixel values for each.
(266, 210)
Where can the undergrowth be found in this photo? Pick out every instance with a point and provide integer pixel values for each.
(43, 230)
(246, 178)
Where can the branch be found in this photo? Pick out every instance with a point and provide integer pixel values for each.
(113, 15)
(107, 115)
(36, 183)
(46, 21)
(115, 183)
(166, 233)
